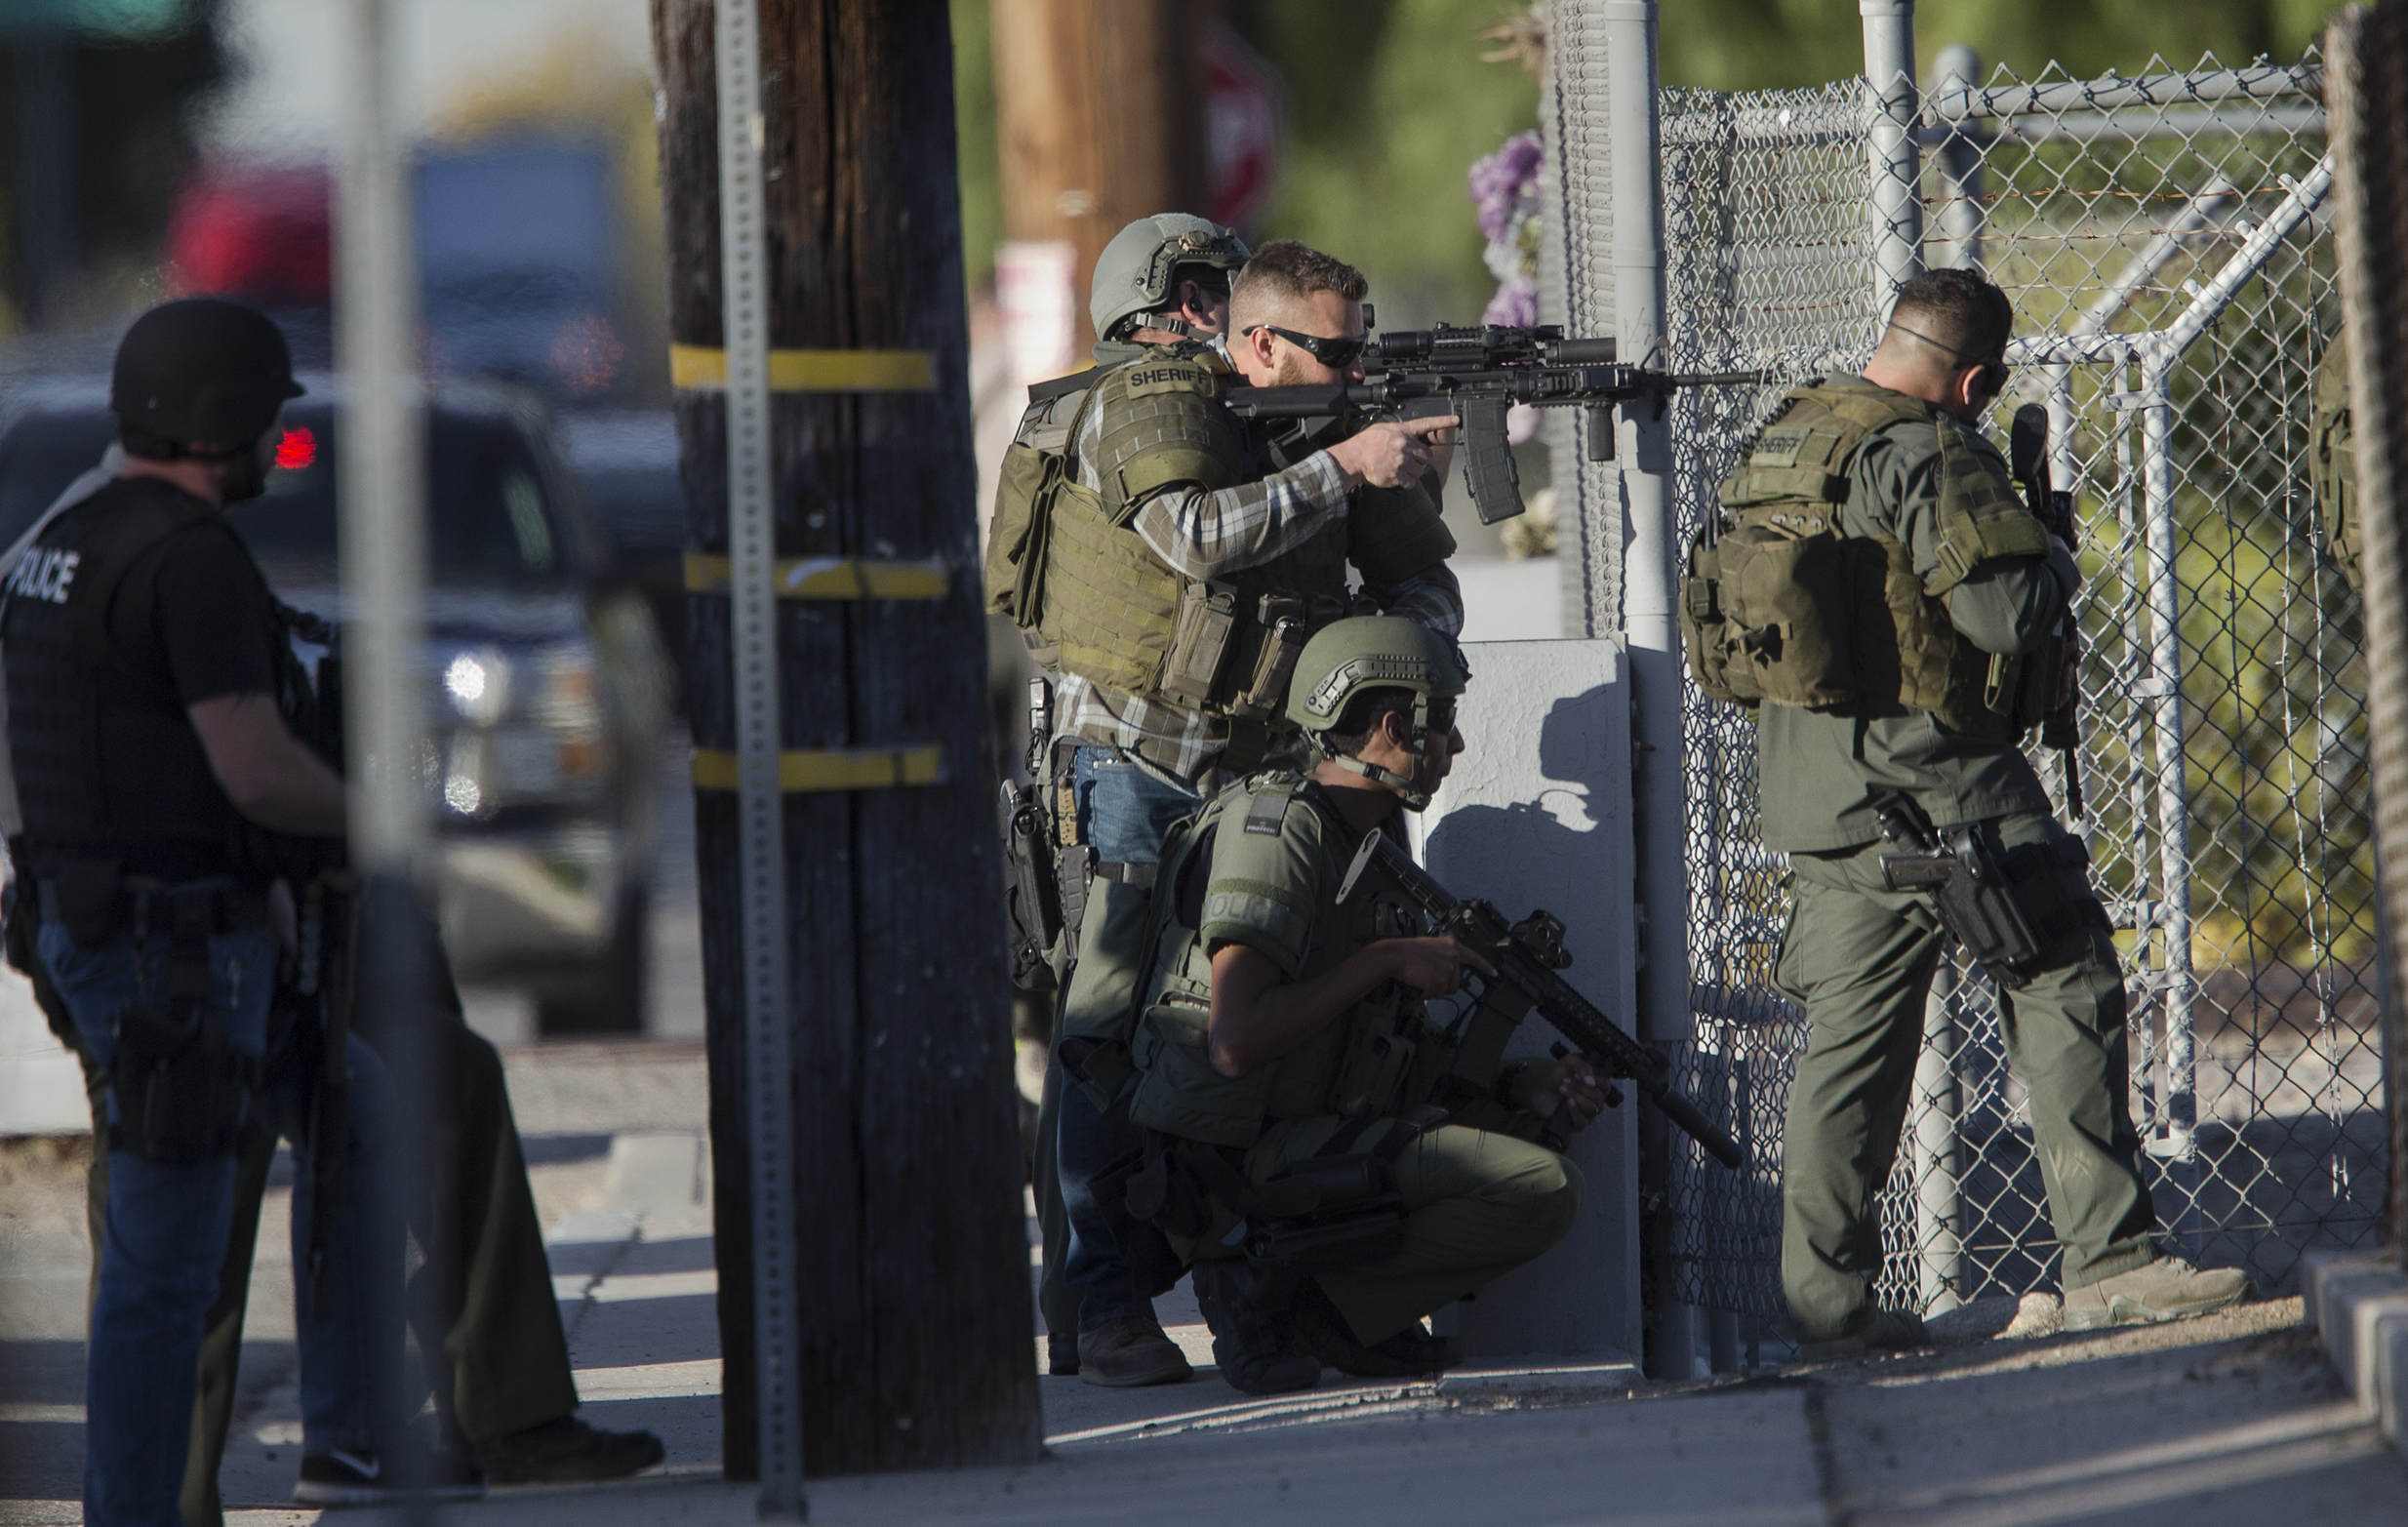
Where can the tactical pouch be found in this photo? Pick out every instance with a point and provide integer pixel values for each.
(1283, 622)
(1357, 1215)
(1777, 589)
(182, 1086)
(1202, 640)
(1015, 535)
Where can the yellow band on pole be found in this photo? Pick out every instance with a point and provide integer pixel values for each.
(703, 368)
(829, 578)
(803, 771)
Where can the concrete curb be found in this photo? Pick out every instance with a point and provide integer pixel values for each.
(2357, 1300)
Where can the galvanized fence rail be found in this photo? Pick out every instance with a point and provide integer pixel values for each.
(2165, 242)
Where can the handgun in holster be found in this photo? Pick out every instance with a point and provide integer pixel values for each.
(2005, 906)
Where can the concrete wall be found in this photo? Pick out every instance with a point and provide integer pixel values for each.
(1538, 814)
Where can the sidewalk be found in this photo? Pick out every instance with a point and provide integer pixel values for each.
(2232, 1419)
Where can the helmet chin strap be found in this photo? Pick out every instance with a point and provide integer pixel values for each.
(1407, 791)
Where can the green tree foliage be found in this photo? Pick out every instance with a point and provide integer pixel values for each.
(1757, 44)
(1389, 104)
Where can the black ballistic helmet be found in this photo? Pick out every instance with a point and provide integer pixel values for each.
(202, 369)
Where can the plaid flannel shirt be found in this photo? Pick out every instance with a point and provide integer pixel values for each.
(1211, 535)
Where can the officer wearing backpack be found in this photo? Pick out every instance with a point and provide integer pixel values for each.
(1167, 564)
(1284, 1041)
(1878, 595)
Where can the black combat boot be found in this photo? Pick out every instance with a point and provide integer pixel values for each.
(1411, 1353)
(1255, 1338)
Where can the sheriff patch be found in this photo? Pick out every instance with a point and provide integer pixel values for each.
(44, 574)
(1146, 380)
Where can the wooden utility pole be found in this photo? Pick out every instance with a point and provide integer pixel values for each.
(1100, 119)
(910, 1257)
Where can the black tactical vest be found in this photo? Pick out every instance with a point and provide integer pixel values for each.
(106, 762)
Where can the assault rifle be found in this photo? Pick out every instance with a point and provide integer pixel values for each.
(1526, 955)
(1476, 375)
(2027, 456)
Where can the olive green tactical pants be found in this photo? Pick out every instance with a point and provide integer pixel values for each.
(1477, 1205)
(1859, 957)
(481, 1302)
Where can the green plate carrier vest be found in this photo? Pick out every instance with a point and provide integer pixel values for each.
(1778, 605)
(1068, 563)
(1383, 1055)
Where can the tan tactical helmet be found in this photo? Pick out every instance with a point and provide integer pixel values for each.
(1134, 272)
(1375, 652)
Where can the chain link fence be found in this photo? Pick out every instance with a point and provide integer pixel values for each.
(2164, 241)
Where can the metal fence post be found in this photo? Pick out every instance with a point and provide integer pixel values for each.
(2162, 691)
(1957, 70)
(1644, 456)
(381, 501)
(1938, 1178)
(760, 799)
(1892, 107)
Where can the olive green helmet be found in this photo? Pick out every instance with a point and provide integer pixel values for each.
(1375, 652)
(1135, 273)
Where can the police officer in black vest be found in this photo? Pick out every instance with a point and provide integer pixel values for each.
(143, 733)
(142, 588)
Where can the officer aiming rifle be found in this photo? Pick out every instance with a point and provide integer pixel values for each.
(1525, 957)
(1478, 375)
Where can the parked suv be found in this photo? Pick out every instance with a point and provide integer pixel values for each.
(546, 685)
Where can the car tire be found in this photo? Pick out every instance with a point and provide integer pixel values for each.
(608, 1001)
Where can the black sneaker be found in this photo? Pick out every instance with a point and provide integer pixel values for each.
(337, 1477)
(567, 1451)
(1411, 1353)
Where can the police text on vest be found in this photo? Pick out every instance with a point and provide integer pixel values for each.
(43, 573)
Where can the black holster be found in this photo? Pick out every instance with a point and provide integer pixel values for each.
(2007, 908)
(183, 1088)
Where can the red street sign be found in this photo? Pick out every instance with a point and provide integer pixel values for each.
(1245, 118)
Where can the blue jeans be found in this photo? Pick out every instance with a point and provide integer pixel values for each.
(164, 1233)
(1123, 812)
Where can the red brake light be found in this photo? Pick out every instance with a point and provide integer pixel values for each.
(297, 450)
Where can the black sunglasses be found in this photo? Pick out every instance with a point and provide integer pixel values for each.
(1337, 353)
(1993, 368)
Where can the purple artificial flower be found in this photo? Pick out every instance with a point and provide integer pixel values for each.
(1498, 181)
(1516, 303)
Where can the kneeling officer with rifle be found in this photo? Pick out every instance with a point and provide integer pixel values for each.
(1335, 1163)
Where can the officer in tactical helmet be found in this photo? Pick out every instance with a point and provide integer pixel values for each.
(142, 667)
(1880, 492)
(1284, 1037)
(1167, 563)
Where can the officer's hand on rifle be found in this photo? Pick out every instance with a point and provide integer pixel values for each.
(1433, 967)
(1389, 455)
(1543, 1089)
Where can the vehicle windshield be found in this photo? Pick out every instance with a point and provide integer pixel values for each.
(490, 524)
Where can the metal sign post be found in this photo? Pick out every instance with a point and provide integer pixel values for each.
(752, 550)
(381, 497)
